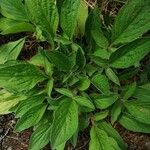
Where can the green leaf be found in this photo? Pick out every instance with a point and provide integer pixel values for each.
(142, 94)
(40, 60)
(99, 140)
(50, 85)
(83, 84)
(65, 92)
(129, 91)
(60, 60)
(101, 83)
(131, 22)
(112, 76)
(112, 133)
(65, 122)
(44, 14)
(81, 19)
(129, 122)
(114, 144)
(9, 26)
(13, 10)
(29, 103)
(116, 111)
(80, 58)
(68, 17)
(30, 118)
(74, 139)
(9, 100)
(101, 115)
(96, 31)
(19, 76)
(130, 54)
(11, 50)
(101, 52)
(104, 102)
(139, 111)
(84, 101)
(90, 69)
(40, 137)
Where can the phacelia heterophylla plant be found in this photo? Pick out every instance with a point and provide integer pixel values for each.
(84, 79)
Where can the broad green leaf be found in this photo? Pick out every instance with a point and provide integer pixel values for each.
(140, 112)
(19, 76)
(116, 111)
(101, 115)
(129, 91)
(102, 53)
(8, 100)
(40, 137)
(60, 60)
(103, 63)
(81, 19)
(65, 122)
(61, 147)
(112, 133)
(112, 76)
(129, 122)
(44, 14)
(68, 17)
(96, 31)
(99, 140)
(130, 54)
(90, 69)
(104, 102)
(84, 101)
(65, 92)
(142, 94)
(29, 103)
(101, 83)
(131, 22)
(30, 118)
(9, 26)
(114, 143)
(83, 84)
(40, 60)
(11, 50)
(13, 10)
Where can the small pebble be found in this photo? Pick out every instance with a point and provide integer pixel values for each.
(9, 148)
(147, 145)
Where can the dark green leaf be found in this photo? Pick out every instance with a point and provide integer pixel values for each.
(60, 60)
(130, 54)
(44, 14)
(68, 17)
(101, 83)
(131, 22)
